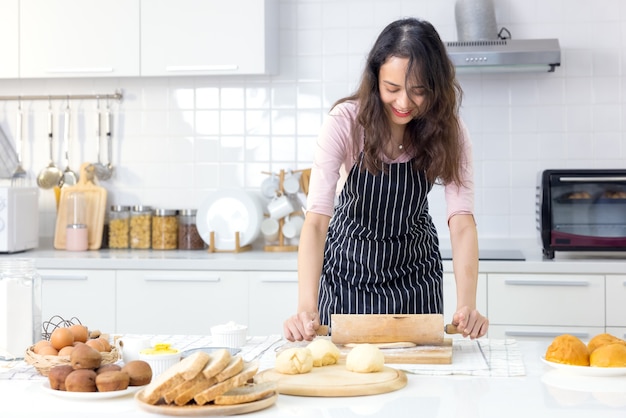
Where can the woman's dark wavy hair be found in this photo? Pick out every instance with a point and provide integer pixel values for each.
(433, 137)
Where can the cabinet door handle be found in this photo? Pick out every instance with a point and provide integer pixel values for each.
(80, 70)
(213, 279)
(543, 334)
(546, 283)
(216, 67)
(59, 277)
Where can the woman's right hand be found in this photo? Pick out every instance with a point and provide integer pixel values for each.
(301, 326)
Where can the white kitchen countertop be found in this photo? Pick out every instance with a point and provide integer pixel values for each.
(540, 392)
(46, 257)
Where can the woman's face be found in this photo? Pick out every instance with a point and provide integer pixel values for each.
(400, 106)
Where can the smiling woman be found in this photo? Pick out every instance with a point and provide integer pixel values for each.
(382, 149)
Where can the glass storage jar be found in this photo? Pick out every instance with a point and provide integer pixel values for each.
(164, 229)
(140, 227)
(188, 236)
(119, 226)
(20, 317)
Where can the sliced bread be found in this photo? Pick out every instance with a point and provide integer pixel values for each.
(173, 376)
(219, 360)
(246, 393)
(234, 366)
(239, 379)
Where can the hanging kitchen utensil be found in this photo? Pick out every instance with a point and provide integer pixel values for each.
(18, 179)
(102, 171)
(8, 157)
(109, 135)
(69, 177)
(50, 176)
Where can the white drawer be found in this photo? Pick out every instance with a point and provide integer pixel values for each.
(540, 299)
(615, 301)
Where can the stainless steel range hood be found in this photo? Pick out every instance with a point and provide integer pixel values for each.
(505, 55)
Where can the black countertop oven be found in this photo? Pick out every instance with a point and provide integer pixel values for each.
(581, 210)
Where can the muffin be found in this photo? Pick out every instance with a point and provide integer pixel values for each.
(568, 349)
(603, 339)
(609, 355)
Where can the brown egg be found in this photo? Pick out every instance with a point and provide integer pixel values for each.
(105, 344)
(48, 350)
(81, 333)
(96, 344)
(61, 337)
(39, 344)
(66, 351)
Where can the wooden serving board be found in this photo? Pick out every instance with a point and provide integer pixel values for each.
(208, 410)
(335, 381)
(95, 200)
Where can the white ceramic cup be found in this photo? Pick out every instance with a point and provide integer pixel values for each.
(269, 229)
(269, 186)
(280, 207)
(293, 226)
(291, 184)
(131, 345)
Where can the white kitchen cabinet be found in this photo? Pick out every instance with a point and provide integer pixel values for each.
(541, 333)
(88, 295)
(616, 301)
(9, 38)
(208, 37)
(546, 300)
(273, 298)
(179, 302)
(449, 296)
(79, 38)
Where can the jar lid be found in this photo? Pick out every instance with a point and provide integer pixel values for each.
(120, 208)
(140, 208)
(188, 212)
(165, 212)
(160, 349)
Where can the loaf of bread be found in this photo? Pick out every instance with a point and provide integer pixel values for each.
(568, 349)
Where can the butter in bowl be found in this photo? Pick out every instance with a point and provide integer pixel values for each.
(160, 357)
(231, 335)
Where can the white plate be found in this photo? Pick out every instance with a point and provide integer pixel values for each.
(227, 212)
(90, 395)
(587, 370)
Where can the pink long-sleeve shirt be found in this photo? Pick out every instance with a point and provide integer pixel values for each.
(334, 159)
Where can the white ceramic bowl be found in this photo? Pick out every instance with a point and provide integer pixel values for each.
(229, 335)
(160, 358)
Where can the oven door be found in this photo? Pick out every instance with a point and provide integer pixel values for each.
(588, 210)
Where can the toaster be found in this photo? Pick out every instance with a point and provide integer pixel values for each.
(19, 219)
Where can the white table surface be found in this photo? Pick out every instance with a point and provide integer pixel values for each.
(540, 392)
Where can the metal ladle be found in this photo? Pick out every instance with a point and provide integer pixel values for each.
(102, 172)
(69, 177)
(51, 175)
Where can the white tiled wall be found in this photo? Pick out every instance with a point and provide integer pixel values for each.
(178, 139)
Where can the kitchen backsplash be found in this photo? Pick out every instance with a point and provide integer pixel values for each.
(177, 139)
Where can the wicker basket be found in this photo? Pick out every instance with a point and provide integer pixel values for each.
(43, 364)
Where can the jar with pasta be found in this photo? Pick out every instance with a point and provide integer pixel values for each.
(140, 227)
(119, 226)
(164, 229)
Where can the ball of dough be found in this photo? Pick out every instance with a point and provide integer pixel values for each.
(609, 355)
(324, 352)
(568, 349)
(365, 358)
(297, 360)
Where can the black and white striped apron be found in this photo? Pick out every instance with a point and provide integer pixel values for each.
(382, 251)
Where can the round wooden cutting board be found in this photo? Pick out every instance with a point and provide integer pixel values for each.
(335, 380)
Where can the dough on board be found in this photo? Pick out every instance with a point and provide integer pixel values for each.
(296, 360)
(324, 352)
(365, 358)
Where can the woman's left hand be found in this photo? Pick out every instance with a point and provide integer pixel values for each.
(470, 322)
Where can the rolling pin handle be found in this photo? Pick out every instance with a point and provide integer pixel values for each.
(451, 329)
(322, 330)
